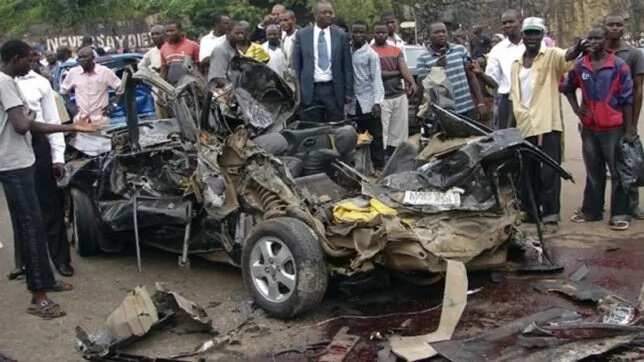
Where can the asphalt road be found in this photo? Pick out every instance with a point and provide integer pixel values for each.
(102, 282)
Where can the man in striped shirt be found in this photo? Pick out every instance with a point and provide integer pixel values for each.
(455, 59)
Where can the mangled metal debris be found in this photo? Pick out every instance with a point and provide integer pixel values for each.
(580, 273)
(553, 335)
(640, 300)
(129, 357)
(454, 301)
(135, 317)
(4, 358)
(217, 342)
(235, 161)
(340, 346)
(613, 308)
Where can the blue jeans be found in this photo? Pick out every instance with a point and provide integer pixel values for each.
(28, 228)
(600, 150)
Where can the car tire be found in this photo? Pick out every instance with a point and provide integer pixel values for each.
(85, 225)
(284, 268)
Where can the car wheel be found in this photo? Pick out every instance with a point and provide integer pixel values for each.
(283, 267)
(85, 225)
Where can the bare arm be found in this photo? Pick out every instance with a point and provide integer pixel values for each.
(573, 52)
(489, 81)
(22, 123)
(404, 70)
(572, 99)
(475, 86)
(39, 127)
(630, 125)
(475, 67)
(638, 96)
(406, 74)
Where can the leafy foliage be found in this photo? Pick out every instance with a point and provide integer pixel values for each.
(17, 15)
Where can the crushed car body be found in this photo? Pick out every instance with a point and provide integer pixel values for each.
(236, 178)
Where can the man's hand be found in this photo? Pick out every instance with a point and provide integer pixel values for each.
(376, 111)
(582, 112)
(475, 67)
(582, 45)
(482, 110)
(411, 89)
(58, 170)
(630, 134)
(85, 125)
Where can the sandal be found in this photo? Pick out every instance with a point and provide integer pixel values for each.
(47, 309)
(619, 225)
(60, 286)
(579, 217)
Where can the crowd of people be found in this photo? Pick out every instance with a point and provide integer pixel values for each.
(360, 73)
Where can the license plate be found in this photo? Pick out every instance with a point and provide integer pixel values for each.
(433, 198)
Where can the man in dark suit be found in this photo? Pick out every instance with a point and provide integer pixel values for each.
(322, 62)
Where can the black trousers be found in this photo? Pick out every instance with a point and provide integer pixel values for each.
(600, 150)
(28, 228)
(52, 202)
(324, 107)
(505, 115)
(634, 200)
(543, 179)
(367, 122)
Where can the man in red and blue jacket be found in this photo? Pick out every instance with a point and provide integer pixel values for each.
(606, 115)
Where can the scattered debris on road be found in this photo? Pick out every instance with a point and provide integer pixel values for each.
(4, 358)
(454, 301)
(340, 346)
(554, 335)
(135, 317)
(614, 309)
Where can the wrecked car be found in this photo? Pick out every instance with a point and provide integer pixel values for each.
(234, 177)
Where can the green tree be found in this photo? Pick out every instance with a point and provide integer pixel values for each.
(365, 10)
(349, 10)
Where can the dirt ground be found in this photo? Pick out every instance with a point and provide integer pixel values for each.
(614, 260)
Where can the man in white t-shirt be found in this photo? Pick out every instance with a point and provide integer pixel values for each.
(152, 58)
(221, 27)
(499, 65)
(289, 29)
(273, 47)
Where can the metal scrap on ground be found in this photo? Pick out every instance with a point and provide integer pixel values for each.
(340, 346)
(454, 301)
(554, 335)
(135, 317)
(613, 308)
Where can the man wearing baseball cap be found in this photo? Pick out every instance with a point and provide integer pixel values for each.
(536, 104)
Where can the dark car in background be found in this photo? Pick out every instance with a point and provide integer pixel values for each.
(412, 52)
(117, 63)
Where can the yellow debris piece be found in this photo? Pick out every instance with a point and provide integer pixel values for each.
(358, 210)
